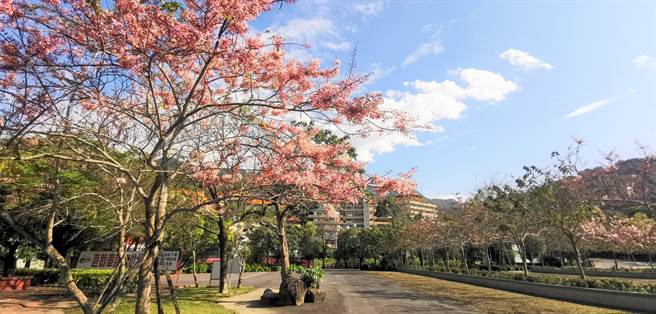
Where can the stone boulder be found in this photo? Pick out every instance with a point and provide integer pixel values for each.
(314, 295)
(292, 292)
(269, 297)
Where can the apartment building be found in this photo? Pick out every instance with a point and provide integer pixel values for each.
(417, 204)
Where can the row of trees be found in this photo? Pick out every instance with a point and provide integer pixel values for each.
(561, 208)
(551, 214)
(127, 114)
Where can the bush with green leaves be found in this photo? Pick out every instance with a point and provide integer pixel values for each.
(200, 268)
(605, 284)
(256, 268)
(613, 270)
(40, 277)
(311, 276)
(91, 281)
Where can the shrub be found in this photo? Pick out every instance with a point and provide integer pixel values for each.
(606, 284)
(91, 281)
(40, 276)
(256, 268)
(200, 268)
(621, 269)
(311, 276)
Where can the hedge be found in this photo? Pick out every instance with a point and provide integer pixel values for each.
(91, 281)
(200, 268)
(606, 284)
(621, 269)
(256, 268)
(40, 277)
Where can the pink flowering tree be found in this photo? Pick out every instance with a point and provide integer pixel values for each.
(173, 83)
(624, 234)
(567, 201)
(304, 171)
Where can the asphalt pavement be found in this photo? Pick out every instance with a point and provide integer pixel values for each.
(347, 291)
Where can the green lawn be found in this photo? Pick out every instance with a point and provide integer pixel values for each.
(634, 280)
(191, 300)
(488, 300)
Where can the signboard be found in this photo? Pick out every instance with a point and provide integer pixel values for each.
(233, 268)
(110, 259)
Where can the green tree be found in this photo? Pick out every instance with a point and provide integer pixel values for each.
(348, 246)
(387, 206)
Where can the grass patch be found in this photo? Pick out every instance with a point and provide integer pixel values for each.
(191, 300)
(485, 299)
(634, 280)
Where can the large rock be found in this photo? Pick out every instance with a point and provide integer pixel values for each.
(314, 295)
(269, 297)
(292, 292)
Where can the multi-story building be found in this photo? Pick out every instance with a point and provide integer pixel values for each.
(355, 215)
(350, 216)
(417, 204)
(377, 221)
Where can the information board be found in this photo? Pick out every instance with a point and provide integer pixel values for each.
(233, 268)
(110, 259)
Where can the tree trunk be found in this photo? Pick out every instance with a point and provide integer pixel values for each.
(64, 269)
(241, 271)
(9, 260)
(562, 259)
(464, 257)
(615, 260)
(144, 283)
(431, 258)
(448, 261)
(223, 247)
(421, 259)
(522, 254)
(158, 291)
(154, 216)
(488, 258)
(577, 255)
(193, 264)
(123, 259)
(174, 297)
(284, 246)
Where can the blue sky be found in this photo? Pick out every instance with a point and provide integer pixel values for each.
(503, 83)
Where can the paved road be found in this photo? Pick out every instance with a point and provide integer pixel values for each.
(363, 292)
(348, 291)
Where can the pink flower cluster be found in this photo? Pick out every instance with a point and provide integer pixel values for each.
(623, 233)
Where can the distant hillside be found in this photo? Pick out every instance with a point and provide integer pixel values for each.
(444, 203)
(629, 172)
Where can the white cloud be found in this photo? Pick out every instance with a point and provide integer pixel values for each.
(369, 8)
(320, 33)
(341, 46)
(485, 85)
(588, 108)
(376, 144)
(432, 47)
(644, 61)
(429, 28)
(306, 31)
(430, 101)
(524, 60)
(377, 71)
